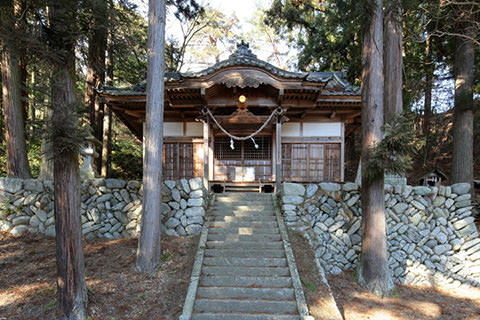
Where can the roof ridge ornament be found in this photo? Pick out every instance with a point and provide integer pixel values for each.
(243, 51)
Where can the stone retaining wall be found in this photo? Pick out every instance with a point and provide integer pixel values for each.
(432, 238)
(110, 208)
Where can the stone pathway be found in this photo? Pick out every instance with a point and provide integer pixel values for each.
(244, 268)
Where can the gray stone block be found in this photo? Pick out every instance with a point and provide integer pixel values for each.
(329, 186)
(198, 202)
(196, 183)
(11, 185)
(292, 199)
(33, 185)
(195, 211)
(18, 230)
(293, 189)
(460, 188)
(185, 185)
(115, 183)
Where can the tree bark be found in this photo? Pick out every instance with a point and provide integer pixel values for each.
(149, 242)
(373, 269)
(427, 106)
(46, 149)
(462, 161)
(97, 42)
(107, 123)
(393, 60)
(71, 285)
(13, 112)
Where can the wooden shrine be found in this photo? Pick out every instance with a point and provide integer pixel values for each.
(303, 117)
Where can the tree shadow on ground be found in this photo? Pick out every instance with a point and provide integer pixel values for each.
(115, 289)
(408, 302)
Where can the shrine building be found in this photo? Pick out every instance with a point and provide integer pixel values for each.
(245, 124)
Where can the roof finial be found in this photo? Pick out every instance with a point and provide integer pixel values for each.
(243, 51)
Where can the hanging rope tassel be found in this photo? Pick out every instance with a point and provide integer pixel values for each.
(254, 143)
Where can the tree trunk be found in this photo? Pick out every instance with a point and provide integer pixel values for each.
(427, 106)
(71, 285)
(107, 123)
(46, 149)
(13, 112)
(149, 242)
(373, 269)
(97, 42)
(462, 162)
(393, 60)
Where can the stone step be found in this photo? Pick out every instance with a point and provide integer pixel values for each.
(244, 245)
(245, 262)
(245, 196)
(243, 206)
(242, 213)
(244, 224)
(256, 231)
(249, 218)
(245, 271)
(246, 306)
(254, 282)
(251, 293)
(244, 237)
(242, 316)
(242, 200)
(244, 253)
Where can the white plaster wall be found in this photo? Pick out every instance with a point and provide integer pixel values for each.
(194, 129)
(322, 129)
(173, 129)
(291, 129)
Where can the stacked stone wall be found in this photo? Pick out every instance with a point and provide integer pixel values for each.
(110, 208)
(431, 234)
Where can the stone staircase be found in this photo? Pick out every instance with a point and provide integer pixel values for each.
(244, 266)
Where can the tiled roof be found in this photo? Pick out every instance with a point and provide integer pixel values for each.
(243, 56)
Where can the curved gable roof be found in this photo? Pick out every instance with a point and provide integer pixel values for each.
(239, 70)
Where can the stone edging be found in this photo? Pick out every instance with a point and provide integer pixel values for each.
(196, 272)
(297, 285)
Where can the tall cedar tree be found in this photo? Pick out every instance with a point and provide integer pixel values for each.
(97, 43)
(393, 60)
(464, 70)
(71, 285)
(17, 161)
(149, 248)
(107, 119)
(373, 269)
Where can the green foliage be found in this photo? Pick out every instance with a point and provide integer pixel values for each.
(394, 153)
(127, 155)
(327, 33)
(129, 44)
(166, 256)
(308, 285)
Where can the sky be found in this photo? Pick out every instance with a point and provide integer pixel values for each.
(244, 10)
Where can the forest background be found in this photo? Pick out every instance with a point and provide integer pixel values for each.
(295, 35)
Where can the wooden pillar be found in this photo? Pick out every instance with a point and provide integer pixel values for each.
(342, 154)
(205, 153)
(278, 155)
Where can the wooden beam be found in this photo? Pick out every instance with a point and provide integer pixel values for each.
(205, 154)
(278, 172)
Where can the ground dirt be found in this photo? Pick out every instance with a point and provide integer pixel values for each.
(354, 303)
(115, 290)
